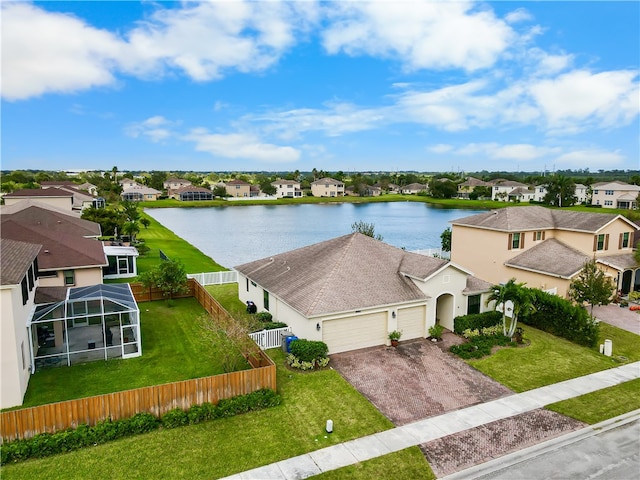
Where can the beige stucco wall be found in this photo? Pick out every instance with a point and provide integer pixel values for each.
(238, 190)
(14, 374)
(584, 241)
(64, 203)
(83, 278)
(327, 191)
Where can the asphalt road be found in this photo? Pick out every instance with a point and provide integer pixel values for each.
(611, 453)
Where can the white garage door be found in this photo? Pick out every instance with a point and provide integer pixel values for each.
(355, 332)
(411, 322)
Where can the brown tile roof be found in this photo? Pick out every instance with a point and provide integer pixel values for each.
(551, 257)
(191, 188)
(38, 214)
(15, 260)
(60, 249)
(237, 182)
(39, 192)
(517, 219)
(327, 181)
(345, 273)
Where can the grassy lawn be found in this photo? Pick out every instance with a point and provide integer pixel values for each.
(231, 445)
(603, 404)
(549, 359)
(172, 350)
(157, 238)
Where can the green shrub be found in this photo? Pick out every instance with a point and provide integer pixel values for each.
(273, 325)
(476, 321)
(480, 346)
(264, 316)
(175, 418)
(560, 317)
(436, 331)
(142, 422)
(308, 350)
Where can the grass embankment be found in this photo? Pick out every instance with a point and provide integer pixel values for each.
(226, 446)
(157, 238)
(173, 349)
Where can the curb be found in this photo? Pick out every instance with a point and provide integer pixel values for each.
(528, 453)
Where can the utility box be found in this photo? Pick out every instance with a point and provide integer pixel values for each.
(286, 342)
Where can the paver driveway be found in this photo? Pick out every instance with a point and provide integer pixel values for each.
(415, 380)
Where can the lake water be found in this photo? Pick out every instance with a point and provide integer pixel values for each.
(239, 234)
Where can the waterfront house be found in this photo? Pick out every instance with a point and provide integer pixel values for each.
(545, 248)
(351, 291)
(327, 187)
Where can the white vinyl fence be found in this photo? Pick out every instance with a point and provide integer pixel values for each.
(215, 278)
(434, 252)
(270, 338)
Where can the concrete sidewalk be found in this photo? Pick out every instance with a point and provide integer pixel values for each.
(422, 431)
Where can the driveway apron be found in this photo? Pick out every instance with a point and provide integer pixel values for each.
(416, 380)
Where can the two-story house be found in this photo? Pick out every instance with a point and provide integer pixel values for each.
(615, 195)
(238, 189)
(55, 197)
(287, 188)
(18, 281)
(466, 187)
(327, 187)
(414, 188)
(172, 184)
(134, 192)
(545, 248)
(501, 188)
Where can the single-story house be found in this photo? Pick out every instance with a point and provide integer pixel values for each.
(351, 291)
(191, 193)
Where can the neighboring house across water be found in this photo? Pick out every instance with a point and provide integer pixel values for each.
(501, 188)
(521, 194)
(173, 184)
(615, 195)
(327, 187)
(140, 193)
(351, 291)
(414, 188)
(191, 193)
(545, 248)
(238, 188)
(466, 187)
(287, 188)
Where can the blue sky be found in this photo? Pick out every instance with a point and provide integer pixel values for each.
(348, 85)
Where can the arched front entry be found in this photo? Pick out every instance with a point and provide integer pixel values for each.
(444, 310)
(627, 276)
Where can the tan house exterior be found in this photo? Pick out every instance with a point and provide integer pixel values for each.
(351, 291)
(238, 189)
(327, 187)
(466, 187)
(414, 189)
(500, 189)
(18, 283)
(173, 184)
(543, 247)
(615, 195)
(71, 253)
(51, 196)
(140, 193)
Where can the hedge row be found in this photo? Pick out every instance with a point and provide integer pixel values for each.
(561, 318)
(46, 444)
(480, 346)
(476, 321)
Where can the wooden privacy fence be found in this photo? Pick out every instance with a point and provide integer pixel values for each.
(157, 399)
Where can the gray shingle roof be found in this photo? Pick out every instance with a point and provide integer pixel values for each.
(476, 285)
(518, 219)
(551, 257)
(619, 262)
(15, 259)
(345, 273)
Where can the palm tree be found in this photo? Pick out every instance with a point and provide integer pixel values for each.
(518, 296)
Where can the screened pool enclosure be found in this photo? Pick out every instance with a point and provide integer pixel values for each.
(98, 322)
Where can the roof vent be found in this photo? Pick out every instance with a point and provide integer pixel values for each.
(46, 251)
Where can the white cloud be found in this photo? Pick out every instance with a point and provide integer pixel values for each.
(518, 15)
(240, 145)
(419, 34)
(155, 128)
(207, 39)
(580, 98)
(46, 52)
